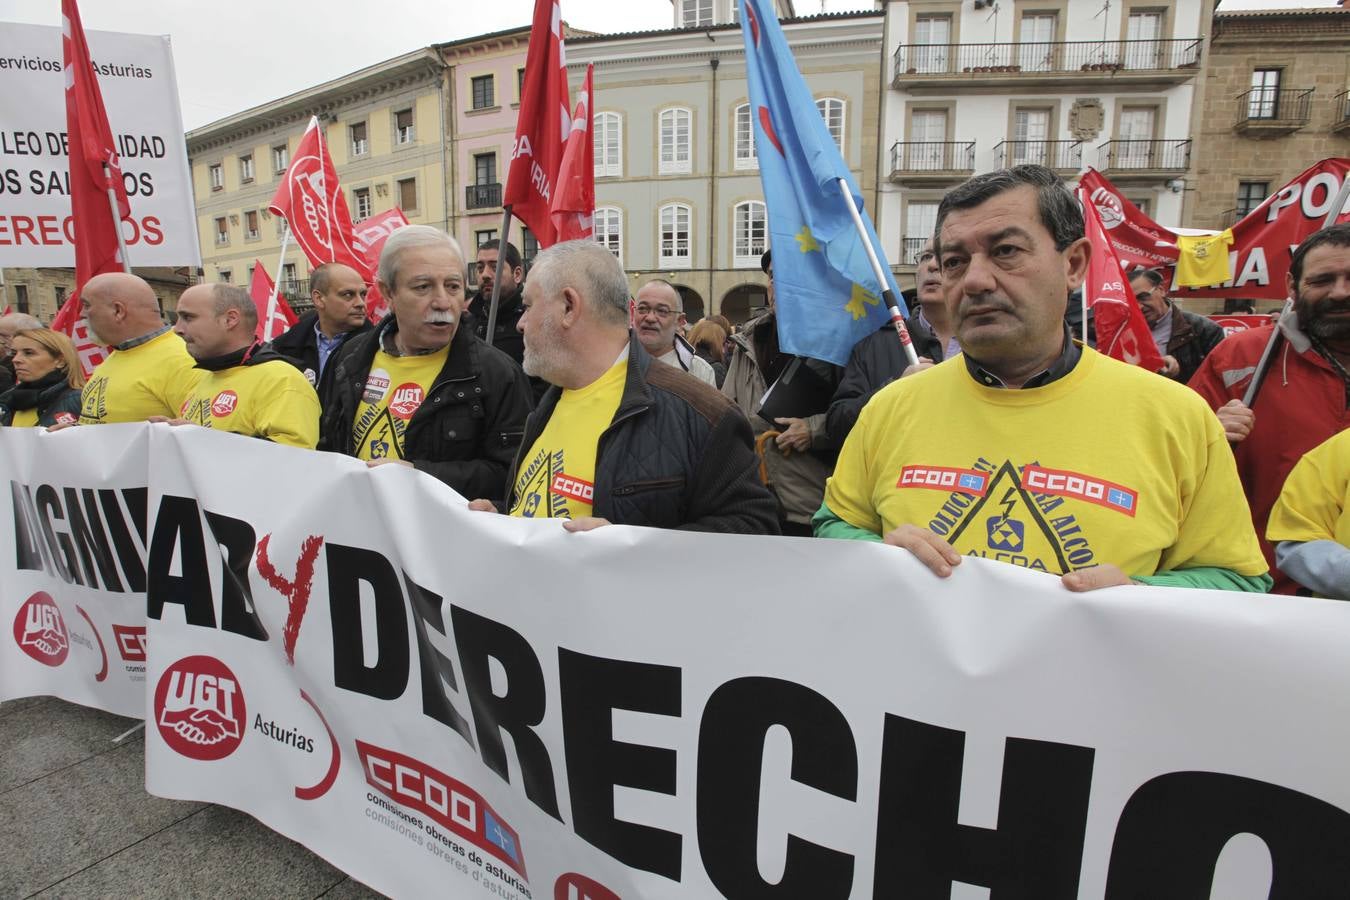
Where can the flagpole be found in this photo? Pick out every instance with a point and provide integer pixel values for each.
(1083, 289)
(1268, 354)
(497, 280)
(117, 218)
(887, 294)
(276, 285)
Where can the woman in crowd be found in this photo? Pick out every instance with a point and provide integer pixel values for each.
(707, 339)
(48, 379)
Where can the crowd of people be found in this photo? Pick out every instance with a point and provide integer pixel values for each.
(1011, 439)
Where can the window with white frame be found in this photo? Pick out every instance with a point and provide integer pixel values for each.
(696, 13)
(675, 223)
(251, 232)
(609, 230)
(607, 139)
(745, 139)
(360, 139)
(751, 234)
(361, 200)
(281, 158)
(217, 176)
(832, 111)
(676, 137)
(404, 133)
(246, 168)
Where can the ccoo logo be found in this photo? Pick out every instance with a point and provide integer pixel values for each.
(224, 404)
(405, 400)
(199, 708)
(40, 631)
(1109, 207)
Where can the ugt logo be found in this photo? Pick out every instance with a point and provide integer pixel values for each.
(224, 404)
(199, 708)
(40, 631)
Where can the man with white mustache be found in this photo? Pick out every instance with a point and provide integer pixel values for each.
(420, 391)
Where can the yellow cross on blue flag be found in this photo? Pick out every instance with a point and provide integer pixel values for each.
(827, 296)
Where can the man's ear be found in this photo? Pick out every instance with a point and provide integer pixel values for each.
(232, 317)
(1076, 258)
(572, 305)
(1289, 284)
(518, 273)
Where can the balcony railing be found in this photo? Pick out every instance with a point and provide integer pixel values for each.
(1340, 120)
(1144, 156)
(1273, 109)
(910, 248)
(478, 196)
(934, 157)
(918, 60)
(1063, 155)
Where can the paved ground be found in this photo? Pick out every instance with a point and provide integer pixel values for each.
(75, 821)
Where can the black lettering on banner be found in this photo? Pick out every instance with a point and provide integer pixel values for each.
(133, 566)
(730, 758)
(436, 668)
(90, 539)
(27, 541)
(592, 688)
(517, 711)
(60, 545)
(1174, 827)
(348, 567)
(237, 613)
(1037, 848)
(179, 525)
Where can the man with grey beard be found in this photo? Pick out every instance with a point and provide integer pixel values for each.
(420, 391)
(620, 438)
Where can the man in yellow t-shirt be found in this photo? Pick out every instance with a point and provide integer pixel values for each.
(621, 438)
(149, 372)
(247, 388)
(1310, 523)
(1049, 455)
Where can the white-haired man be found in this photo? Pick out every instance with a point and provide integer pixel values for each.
(419, 390)
(620, 438)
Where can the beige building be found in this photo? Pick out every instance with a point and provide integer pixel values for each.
(677, 187)
(42, 292)
(1279, 100)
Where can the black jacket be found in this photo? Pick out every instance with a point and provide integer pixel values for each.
(875, 362)
(51, 400)
(1193, 337)
(677, 454)
(505, 337)
(468, 427)
(299, 345)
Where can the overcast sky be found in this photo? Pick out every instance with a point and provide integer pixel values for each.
(234, 54)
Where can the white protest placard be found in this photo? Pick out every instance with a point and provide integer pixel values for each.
(140, 92)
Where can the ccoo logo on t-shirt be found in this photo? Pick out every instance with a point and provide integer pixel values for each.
(224, 404)
(405, 400)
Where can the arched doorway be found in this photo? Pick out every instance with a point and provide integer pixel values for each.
(693, 303)
(743, 302)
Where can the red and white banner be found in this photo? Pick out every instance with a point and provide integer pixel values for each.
(544, 122)
(371, 235)
(1232, 323)
(437, 701)
(260, 288)
(310, 198)
(573, 205)
(1263, 240)
(1122, 332)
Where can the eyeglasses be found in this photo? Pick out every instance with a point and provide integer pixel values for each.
(923, 257)
(661, 312)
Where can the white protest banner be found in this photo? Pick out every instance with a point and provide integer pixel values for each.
(136, 76)
(72, 582)
(438, 700)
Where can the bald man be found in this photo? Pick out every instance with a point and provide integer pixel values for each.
(149, 372)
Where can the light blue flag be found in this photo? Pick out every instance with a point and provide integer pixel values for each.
(826, 294)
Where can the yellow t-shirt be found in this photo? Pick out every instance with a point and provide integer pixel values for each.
(270, 400)
(1202, 259)
(395, 389)
(25, 418)
(1109, 464)
(151, 379)
(557, 480)
(1315, 502)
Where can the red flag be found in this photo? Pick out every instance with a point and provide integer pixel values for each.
(8, 311)
(310, 198)
(573, 205)
(260, 288)
(371, 235)
(1122, 332)
(542, 127)
(94, 169)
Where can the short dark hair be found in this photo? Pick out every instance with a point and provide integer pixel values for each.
(1335, 236)
(1059, 211)
(512, 254)
(1154, 276)
(765, 260)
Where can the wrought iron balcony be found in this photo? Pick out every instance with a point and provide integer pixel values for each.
(480, 196)
(1063, 156)
(1174, 60)
(1144, 159)
(1267, 112)
(910, 248)
(932, 162)
(1340, 120)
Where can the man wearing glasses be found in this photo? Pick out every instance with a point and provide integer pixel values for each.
(657, 315)
(1183, 338)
